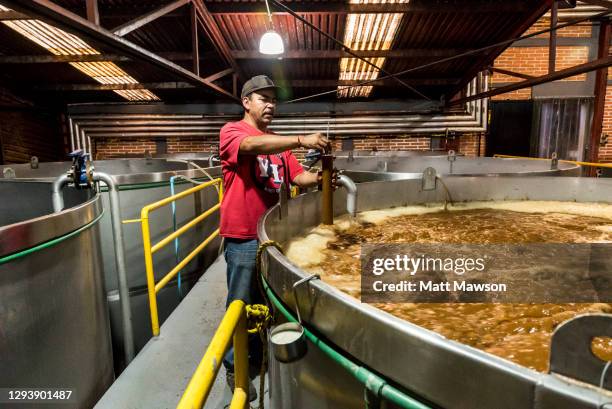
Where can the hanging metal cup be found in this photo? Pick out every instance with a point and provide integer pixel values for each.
(288, 340)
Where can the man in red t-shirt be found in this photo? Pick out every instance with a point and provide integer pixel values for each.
(255, 162)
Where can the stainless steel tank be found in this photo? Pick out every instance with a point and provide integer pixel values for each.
(387, 154)
(142, 182)
(54, 322)
(413, 166)
(439, 371)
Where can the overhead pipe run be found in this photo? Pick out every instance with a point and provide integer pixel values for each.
(94, 126)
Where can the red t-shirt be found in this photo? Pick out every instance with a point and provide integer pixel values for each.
(251, 183)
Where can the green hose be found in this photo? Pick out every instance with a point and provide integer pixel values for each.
(49, 243)
(373, 383)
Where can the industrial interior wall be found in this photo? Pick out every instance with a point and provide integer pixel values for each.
(28, 130)
(575, 45)
(111, 148)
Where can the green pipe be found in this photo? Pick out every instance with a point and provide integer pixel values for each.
(374, 383)
(49, 243)
(139, 186)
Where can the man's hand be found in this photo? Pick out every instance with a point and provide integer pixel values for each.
(335, 178)
(315, 141)
(307, 179)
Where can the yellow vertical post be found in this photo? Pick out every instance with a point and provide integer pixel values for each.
(148, 255)
(241, 365)
(204, 376)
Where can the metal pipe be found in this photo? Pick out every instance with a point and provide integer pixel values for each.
(351, 198)
(71, 131)
(327, 165)
(126, 312)
(56, 192)
(77, 138)
(278, 120)
(84, 141)
(211, 160)
(113, 191)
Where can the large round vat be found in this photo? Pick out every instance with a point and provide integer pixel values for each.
(389, 154)
(438, 371)
(460, 166)
(142, 182)
(54, 322)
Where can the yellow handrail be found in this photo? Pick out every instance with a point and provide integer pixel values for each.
(575, 162)
(232, 325)
(153, 287)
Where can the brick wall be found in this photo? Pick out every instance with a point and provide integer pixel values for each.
(27, 130)
(124, 147)
(534, 60)
(605, 152)
(472, 144)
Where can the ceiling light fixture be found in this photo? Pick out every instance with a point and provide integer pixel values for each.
(271, 42)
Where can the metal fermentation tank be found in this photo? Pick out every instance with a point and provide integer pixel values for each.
(54, 322)
(142, 182)
(414, 166)
(442, 372)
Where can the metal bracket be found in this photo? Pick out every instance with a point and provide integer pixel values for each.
(8, 173)
(603, 139)
(382, 166)
(570, 350)
(283, 198)
(429, 180)
(554, 161)
(451, 157)
(34, 162)
(295, 286)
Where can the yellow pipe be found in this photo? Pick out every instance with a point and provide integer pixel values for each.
(162, 283)
(181, 195)
(204, 376)
(184, 228)
(146, 240)
(239, 400)
(593, 164)
(241, 365)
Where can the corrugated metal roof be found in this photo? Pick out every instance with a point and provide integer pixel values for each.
(435, 27)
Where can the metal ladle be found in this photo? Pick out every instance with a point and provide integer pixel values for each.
(288, 340)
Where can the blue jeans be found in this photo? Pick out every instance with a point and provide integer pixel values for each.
(242, 285)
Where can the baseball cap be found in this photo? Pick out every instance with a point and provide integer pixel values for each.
(255, 84)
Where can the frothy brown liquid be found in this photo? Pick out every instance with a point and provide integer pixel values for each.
(518, 332)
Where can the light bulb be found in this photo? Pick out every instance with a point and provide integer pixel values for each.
(271, 43)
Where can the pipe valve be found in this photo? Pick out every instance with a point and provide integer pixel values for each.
(81, 171)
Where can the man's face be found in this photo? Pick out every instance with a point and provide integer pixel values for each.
(260, 105)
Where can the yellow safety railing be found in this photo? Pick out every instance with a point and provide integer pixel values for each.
(575, 162)
(149, 250)
(233, 326)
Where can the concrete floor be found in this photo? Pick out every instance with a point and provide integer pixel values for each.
(157, 377)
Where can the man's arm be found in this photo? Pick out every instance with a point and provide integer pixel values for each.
(265, 144)
(307, 179)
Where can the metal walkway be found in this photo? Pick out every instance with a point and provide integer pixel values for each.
(159, 374)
